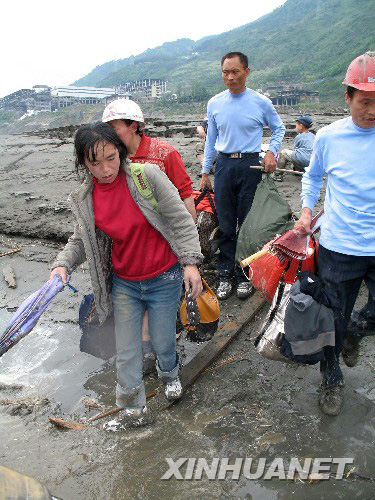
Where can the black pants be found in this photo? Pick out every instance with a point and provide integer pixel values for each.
(344, 274)
(235, 186)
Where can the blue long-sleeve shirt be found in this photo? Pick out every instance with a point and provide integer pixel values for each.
(302, 150)
(346, 154)
(235, 124)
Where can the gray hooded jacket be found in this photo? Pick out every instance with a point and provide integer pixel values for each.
(173, 221)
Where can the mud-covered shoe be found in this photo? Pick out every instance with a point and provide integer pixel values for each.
(224, 290)
(244, 290)
(129, 418)
(149, 363)
(331, 399)
(278, 177)
(350, 353)
(364, 319)
(173, 390)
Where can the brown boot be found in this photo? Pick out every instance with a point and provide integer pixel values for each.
(331, 399)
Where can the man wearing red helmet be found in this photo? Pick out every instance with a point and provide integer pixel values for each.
(344, 152)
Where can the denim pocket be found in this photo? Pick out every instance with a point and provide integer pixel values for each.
(173, 273)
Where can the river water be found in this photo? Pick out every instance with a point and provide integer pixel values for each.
(246, 408)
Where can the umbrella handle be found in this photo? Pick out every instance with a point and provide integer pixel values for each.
(255, 256)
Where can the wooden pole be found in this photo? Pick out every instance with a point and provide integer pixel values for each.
(281, 170)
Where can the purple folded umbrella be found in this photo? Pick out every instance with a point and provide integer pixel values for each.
(29, 312)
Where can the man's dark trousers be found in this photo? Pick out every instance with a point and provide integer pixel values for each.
(344, 274)
(235, 186)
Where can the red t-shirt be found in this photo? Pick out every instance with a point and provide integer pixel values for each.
(162, 154)
(139, 251)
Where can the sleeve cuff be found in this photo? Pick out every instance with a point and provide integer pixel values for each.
(273, 150)
(308, 203)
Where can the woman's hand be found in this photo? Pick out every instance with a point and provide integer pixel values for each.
(62, 271)
(192, 280)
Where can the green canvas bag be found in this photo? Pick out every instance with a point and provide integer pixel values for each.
(269, 215)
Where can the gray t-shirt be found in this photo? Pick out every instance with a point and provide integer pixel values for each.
(302, 150)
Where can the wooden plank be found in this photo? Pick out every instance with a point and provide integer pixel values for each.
(226, 333)
(189, 374)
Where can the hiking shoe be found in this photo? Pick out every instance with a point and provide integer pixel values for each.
(278, 177)
(350, 353)
(244, 290)
(149, 363)
(331, 399)
(363, 319)
(129, 418)
(224, 290)
(173, 390)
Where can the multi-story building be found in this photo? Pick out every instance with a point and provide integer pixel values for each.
(36, 99)
(148, 89)
(69, 95)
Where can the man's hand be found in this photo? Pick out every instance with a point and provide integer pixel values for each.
(205, 181)
(269, 162)
(201, 132)
(193, 281)
(305, 220)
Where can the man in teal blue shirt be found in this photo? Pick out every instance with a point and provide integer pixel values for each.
(235, 127)
(344, 152)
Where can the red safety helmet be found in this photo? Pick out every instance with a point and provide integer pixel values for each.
(361, 73)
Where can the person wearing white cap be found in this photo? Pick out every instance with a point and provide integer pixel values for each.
(126, 118)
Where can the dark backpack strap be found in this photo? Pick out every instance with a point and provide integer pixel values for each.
(206, 193)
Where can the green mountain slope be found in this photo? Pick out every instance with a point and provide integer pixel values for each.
(309, 42)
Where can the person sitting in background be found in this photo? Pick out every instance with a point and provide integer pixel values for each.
(302, 150)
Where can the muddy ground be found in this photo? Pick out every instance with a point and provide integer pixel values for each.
(245, 407)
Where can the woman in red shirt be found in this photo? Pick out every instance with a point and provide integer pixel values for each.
(148, 247)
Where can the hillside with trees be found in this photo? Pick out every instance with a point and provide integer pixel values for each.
(303, 42)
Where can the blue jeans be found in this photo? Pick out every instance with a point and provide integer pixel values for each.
(235, 186)
(161, 297)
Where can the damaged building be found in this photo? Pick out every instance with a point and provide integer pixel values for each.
(36, 99)
(44, 98)
(289, 95)
(148, 89)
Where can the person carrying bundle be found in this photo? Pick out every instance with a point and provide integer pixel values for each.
(344, 152)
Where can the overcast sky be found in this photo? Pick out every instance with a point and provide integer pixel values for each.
(56, 43)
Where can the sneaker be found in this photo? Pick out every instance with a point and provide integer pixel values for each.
(173, 390)
(224, 290)
(149, 363)
(129, 418)
(278, 177)
(244, 290)
(350, 353)
(331, 399)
